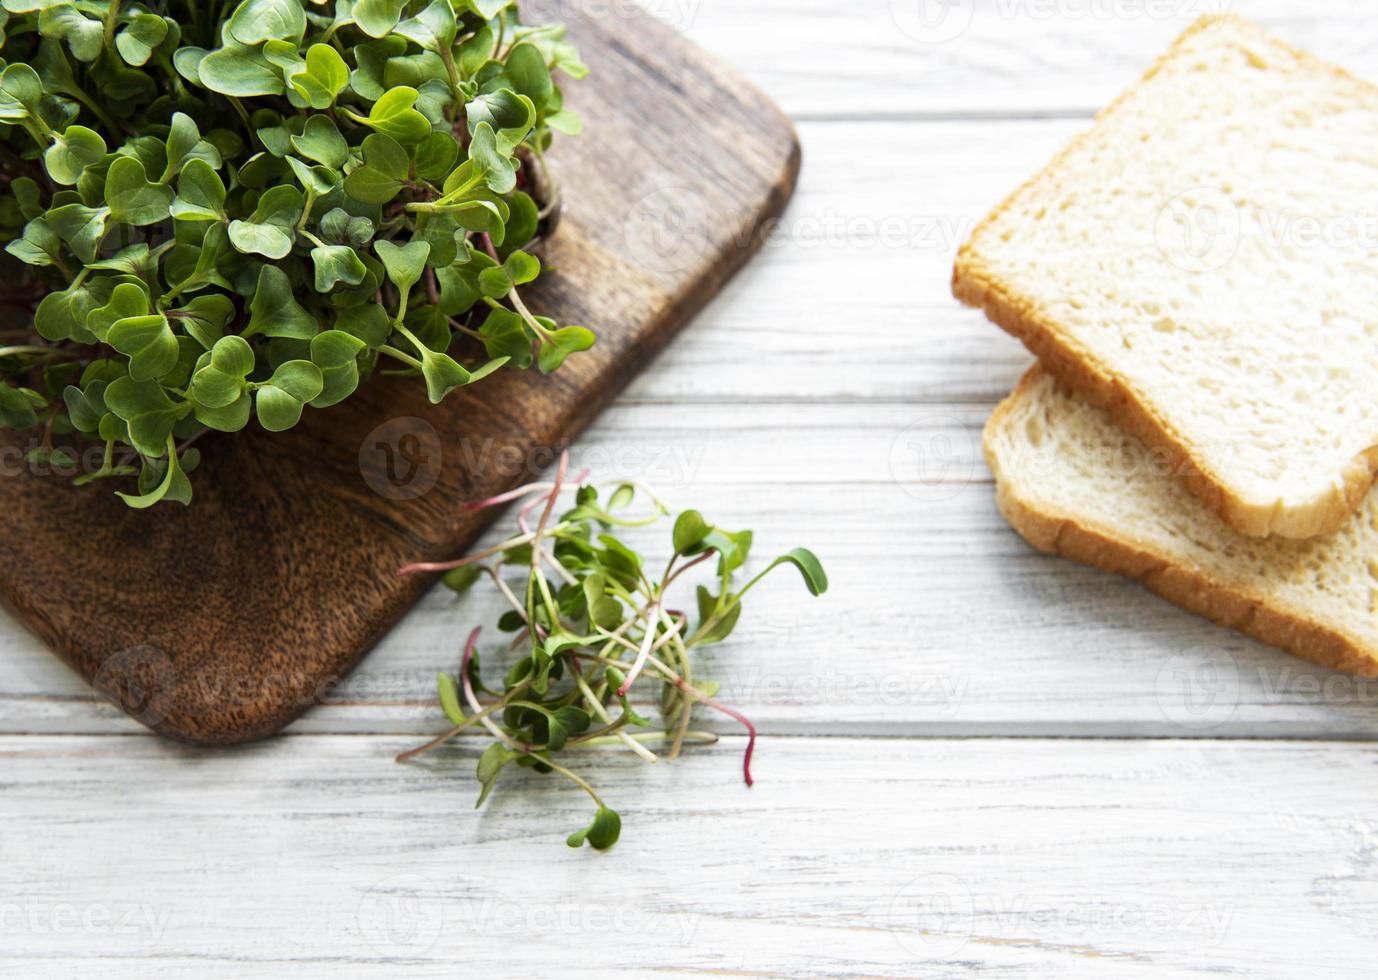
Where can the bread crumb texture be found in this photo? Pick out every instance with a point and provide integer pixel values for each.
(1075, 484)
(1204, 264)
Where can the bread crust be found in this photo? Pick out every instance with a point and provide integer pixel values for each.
(976, 285)
(1193, 589)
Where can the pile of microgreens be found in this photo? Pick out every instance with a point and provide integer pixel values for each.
(237, 209)
(595, 622)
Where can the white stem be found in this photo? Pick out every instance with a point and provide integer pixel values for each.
(603, 716)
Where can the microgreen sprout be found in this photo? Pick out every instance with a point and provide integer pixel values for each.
(221, 214)
(594, 625)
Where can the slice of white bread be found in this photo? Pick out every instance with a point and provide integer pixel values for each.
(1203, 263)
(1075, 484)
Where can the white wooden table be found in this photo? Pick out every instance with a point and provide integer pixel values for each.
(977, 761)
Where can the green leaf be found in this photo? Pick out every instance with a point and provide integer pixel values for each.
(561, 344)
(372, 58)
(62, 315)
(127, 299)
(232, 418)
(494, 283)
(508, 114)
(337, 264)
(140, 38)
(444, 235)
(271, 230)
(200, 194)
(133, 200)
(494, 759)
(504, 335)
(565, 121)
(206, 317)
(394, 115)
(328, 70)
(147, 410)
(184, 144)
(256, 21)
(85, 36)
(619, 560)
(220, 380)
(39, 245)
(342, 228)
(487, 9)
(602, 833)
(174, 487)
(85, 408)
(21, 92)
(522, 268)
(82, 228)
(274, 310)
(690, 530)
(530, 77)
(206, 272)
(444, 374)
(72, 152)
(270, 241)
(187, 61)
(386, 166)
(321, 141)
(280, 401)
(319, 180)
(148, 342)
(276, 139)
(499, 170)
(460, 580)
(378, 17)
(18, 407)
(433, 28)
(522, 224)
(325, 77)
(336, 354)
(449, 699)
(239, 71)
(405, 264)
(726, 621)
(369, 323)
(733, 548)
(27, 196)
(368, 186)
(519, 269)
(815, 579)
(436, 156)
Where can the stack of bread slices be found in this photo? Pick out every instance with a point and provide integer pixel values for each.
(1198, 275)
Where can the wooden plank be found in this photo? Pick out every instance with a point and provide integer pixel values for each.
(940, 621)
(851, 857)
(284, 565)
(872, 59)
(850, 298)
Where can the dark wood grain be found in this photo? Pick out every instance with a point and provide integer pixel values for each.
(223, 622)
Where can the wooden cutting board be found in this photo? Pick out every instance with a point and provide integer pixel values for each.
(223, 622)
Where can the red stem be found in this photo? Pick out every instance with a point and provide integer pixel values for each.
(736, 716)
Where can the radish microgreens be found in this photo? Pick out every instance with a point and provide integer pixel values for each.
(241, 211)
(596, 627)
